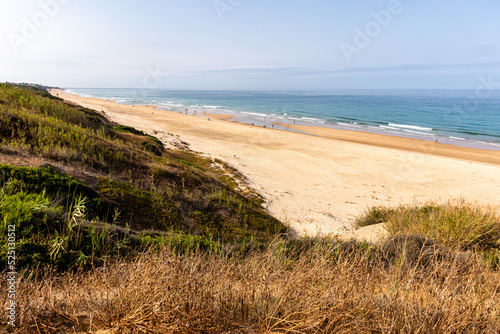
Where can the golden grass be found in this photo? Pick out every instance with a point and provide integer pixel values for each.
(455, 224)
(313, 286)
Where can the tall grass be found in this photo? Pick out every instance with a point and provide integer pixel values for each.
(454, 224)
(309, 286)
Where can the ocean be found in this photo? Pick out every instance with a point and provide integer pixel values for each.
(465, 118)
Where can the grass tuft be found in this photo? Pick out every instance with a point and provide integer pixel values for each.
(454, 224)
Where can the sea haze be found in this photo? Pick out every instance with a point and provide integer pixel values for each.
(459, 117)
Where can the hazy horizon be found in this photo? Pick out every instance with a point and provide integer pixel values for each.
(252, 45)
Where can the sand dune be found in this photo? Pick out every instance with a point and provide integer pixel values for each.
(319, 183)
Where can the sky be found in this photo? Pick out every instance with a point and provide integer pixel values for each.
(251, 44)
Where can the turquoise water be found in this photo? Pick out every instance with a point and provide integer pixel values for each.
(458, 117)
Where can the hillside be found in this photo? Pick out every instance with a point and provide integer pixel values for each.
(90, 176)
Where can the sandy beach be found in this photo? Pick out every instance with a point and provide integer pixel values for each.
(319, 183)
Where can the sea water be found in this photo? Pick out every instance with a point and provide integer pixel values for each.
(458, 117)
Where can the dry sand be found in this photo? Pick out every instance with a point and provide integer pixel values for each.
(319, 183)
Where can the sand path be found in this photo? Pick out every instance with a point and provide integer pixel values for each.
(317, 184)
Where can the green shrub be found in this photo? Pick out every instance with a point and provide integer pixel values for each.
(32, 214)
(149, 147)
(149, 209)
(54, 184)
(128, 129)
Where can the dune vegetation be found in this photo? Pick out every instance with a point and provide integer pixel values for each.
(114, 233)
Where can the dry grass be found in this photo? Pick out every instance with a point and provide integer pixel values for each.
(312, 286)
(455, 224)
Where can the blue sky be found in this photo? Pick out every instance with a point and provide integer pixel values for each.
(250, 44)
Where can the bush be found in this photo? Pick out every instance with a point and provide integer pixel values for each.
(52, 183)
(149, 209)
(149, 147)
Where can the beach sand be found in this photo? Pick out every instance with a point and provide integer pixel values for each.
(320, 183)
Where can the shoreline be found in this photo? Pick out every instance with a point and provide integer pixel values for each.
(491, 157)
(402, 143)
(322, 181)
(426, 129)
(361, 137)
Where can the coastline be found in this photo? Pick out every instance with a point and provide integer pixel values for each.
(402, 143)
(321, 182)
(436, 118)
